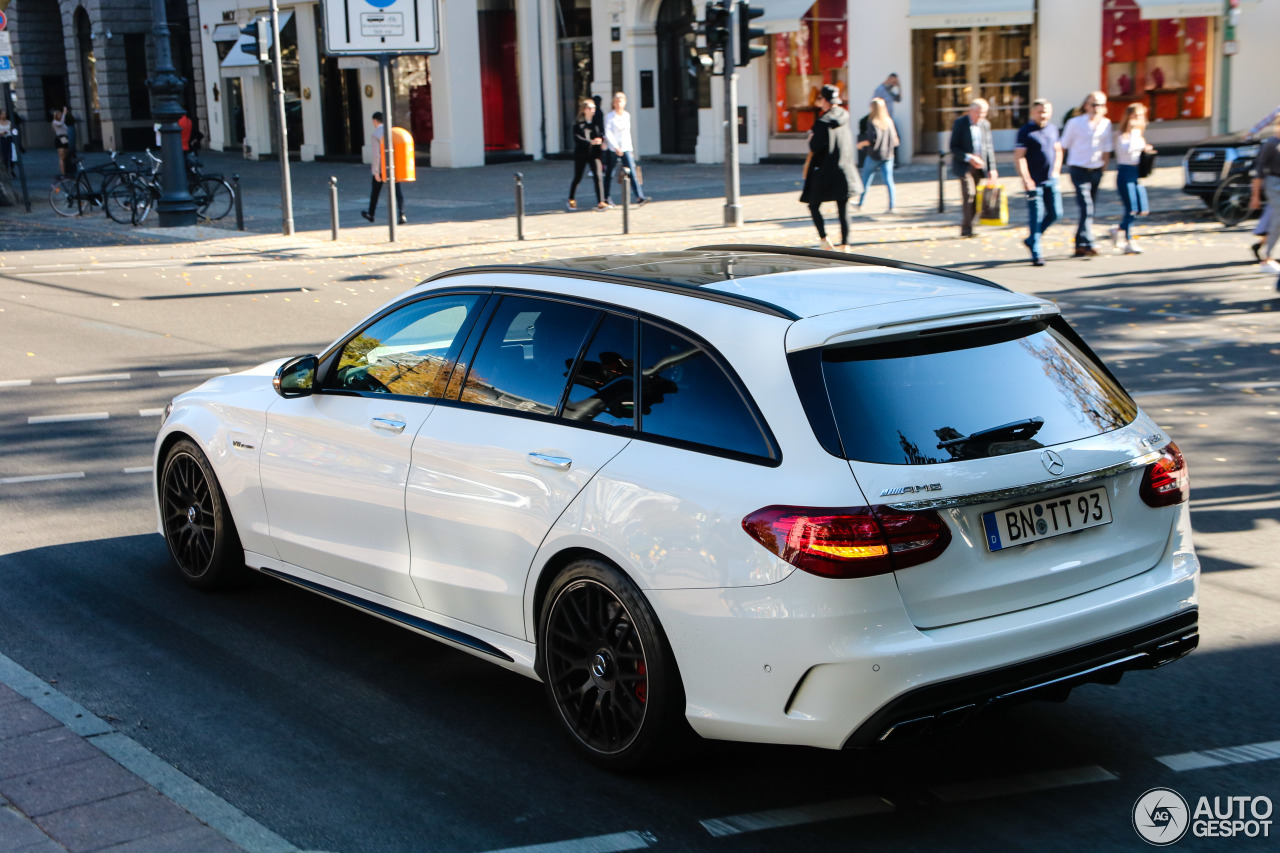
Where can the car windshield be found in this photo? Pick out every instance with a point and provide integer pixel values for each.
(954, 397)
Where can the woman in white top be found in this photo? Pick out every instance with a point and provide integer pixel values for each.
(618, 149)
(60, 138)
(1129, 145)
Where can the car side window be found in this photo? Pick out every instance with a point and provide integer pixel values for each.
(525, 356)
(685, 395)
(603, 387)
(404, 352)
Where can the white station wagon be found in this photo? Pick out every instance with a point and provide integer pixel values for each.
(756, 493)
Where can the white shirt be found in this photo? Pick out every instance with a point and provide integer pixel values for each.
(1085, 143)
(617, 131)
(1129, 146)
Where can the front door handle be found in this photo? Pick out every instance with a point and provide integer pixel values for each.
(560, 462)
(388, 424)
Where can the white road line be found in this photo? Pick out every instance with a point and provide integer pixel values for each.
(1163, 391)
(155, 413)
(1108, 308)
(1245, 754)
(594, 844)
(39, 478)
(101, 377)
(1238, 386)
(62, 419)
(984, 789)
(14, 383)
(141, 469)
(202, 371)
(756, 821)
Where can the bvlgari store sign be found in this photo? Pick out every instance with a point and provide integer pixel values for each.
(949, 14)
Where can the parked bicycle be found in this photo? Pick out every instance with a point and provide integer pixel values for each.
(212, 194)
(72, 195)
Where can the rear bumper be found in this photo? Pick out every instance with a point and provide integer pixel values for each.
(945, 705)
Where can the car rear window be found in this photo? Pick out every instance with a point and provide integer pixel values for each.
(980, 393)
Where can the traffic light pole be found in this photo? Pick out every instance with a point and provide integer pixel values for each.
(282, 130)
(732, 207)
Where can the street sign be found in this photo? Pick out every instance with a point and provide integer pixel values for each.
(8, 71)
(6, 44)
(4, 22)
(381, 26)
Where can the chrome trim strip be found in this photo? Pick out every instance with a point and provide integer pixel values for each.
(1030, 489)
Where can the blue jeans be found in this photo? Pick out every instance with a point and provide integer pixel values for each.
(1044, 207)
(612, 161)
(1132, 194)
(869, 170)
(1086, 182)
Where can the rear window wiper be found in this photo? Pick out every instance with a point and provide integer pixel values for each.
(1012, 431)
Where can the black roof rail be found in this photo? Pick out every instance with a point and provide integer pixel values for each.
(734, 299)
(847, 258)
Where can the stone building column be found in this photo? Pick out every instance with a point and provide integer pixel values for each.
(456, 113)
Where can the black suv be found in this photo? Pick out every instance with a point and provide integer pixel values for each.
(1218, 171)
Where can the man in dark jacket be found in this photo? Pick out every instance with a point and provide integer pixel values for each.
(830, 173)
(972, 157)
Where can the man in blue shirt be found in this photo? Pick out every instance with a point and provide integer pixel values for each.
(1038, 157)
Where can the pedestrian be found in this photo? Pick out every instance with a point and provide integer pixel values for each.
(377, 139)
(890, 92)
(7, 137)
(1087, 143)
(587, 150)
(973, 157)
(879, 139)
(1037, 154)
(619, 149)
(1267, 175)
(60, 138)
(1260, 231)
(1130, 143)
(829, 171)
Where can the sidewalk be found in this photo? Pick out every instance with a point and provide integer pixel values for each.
(70, 783)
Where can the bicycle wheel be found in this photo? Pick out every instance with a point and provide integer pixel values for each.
(1231, 201)
(65, 197)
(117, 194)
(145, 194)
(214, 198)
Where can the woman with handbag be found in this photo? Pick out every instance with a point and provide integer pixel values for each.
(588, 146)
(1131, 149)
(829, 171)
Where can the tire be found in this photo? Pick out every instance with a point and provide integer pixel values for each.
(117, 199)
(65, 197)
(608, 669)
(198, 527)
(143, 200)
(214, 198)
(1231, 201)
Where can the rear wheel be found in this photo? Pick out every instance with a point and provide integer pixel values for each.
(213, 198)
(117, 194)
(198, 527)
(64, 196)
(609, 671)
(1231, 201)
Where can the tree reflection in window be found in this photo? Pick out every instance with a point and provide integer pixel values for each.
(403, 352)
(1098, 402)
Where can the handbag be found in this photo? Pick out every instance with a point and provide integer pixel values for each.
(993, 204)
(1146, 162)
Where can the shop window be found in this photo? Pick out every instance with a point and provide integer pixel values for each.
(805, 61)
(1164, 63)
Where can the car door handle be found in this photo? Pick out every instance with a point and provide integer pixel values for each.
(561, 462)
(388, 424)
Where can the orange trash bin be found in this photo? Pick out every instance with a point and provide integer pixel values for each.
(402, 151)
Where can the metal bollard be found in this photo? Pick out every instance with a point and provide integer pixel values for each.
(942, 181)
(333, 205)
(235, 188)
(626, 200)
(519, 206)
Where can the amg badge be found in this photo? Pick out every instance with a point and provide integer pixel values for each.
(911, 490)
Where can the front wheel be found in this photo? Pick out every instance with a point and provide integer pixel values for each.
(117, 198)
(610, 674)
(198, 527)
(64, 196)
(1231, 201)
(214, 198)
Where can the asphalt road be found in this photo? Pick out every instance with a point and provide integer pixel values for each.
(343, 733)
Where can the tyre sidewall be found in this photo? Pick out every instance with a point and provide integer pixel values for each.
(227, 559)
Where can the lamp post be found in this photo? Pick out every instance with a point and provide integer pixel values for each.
(176, 207)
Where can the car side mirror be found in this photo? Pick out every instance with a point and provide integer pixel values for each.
(297, 376)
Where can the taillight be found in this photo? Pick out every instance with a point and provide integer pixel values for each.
(850, 542)
(1166, 482)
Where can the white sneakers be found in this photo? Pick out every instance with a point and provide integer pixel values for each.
(1270, 265)
(1132, 248)
(1115, 237)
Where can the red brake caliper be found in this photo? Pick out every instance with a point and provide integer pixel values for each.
(642, 689)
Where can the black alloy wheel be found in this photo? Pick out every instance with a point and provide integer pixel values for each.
(608, 668)
(198, 528)
(1231, 201)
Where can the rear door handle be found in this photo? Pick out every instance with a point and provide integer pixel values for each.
(560, 462)
(388, 424)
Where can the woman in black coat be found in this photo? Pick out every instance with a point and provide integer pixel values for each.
(588, 146)
(831, 172)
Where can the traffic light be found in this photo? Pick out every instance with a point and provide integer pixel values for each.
(260, 44)
(717, 26)
(746, 33)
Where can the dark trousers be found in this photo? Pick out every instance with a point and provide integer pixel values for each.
(842, 211)
(615, 161)
(968, 200)
(1086, 182)
(580, 163)
(377, 191)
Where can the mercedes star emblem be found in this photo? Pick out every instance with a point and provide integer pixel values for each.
(1052, 462)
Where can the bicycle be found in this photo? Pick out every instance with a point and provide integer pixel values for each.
(213, 195)
(71, 195)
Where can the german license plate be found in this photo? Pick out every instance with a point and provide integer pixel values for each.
(1204, 177)
(1038, 520)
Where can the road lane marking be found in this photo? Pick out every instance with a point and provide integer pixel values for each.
(63, 419)
(595, 844)
(14, 383)
(100, 377)
(151, 413)
(196, 371)
(39, 478)
(141, 469)
(1245, 754)
(1108, 308)
(1163, 391)
(1240, 386)
(756, 821)
(988, 788)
